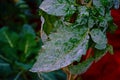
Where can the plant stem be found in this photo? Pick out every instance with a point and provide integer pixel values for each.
(18, 75)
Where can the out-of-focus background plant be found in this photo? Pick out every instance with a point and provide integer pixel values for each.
(20, 41)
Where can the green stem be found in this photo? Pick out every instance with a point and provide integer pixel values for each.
(18, 75)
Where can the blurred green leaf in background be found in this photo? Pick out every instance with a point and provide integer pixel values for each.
(20, 40)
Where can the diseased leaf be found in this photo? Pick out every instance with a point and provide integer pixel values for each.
(81, 19)
(97, 3)
(100, 8)
(103, 23)
(101, 11)
(69, 34)
(98, 36)
(58, 7)
(91, 23)
(65, 46)
(100, 46)
(116, 4)
(108, 16)
(81, 67)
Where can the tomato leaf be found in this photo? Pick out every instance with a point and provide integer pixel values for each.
(81, 67)
(65, 46)
(58, 7)
(98, 36)
(100, 46)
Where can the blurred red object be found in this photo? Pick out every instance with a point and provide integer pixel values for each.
(108, 67)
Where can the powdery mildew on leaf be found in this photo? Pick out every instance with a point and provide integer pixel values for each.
(57, 7)
(66, 45)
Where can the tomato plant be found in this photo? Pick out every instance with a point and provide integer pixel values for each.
(64, 35)
(70, 28)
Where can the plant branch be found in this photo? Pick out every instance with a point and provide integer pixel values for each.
(18, 75)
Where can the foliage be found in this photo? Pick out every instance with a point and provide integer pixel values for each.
(78, 25)
(69, 28)
(17, 50)
(19, 41)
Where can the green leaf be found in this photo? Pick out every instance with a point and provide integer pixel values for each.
(98, 36)
(47, 22)
(104, 2)
(27, 29)
(26, 42)
(110, 49)
(55, 75)
(107, 3)
(112, 27)
(98, 54)
(66, 45)
(81, 67)
(2, 31)
(8, 37)
(5, 69)
(23, 66)
(58, 7)
(27, 39)
(9, 53)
